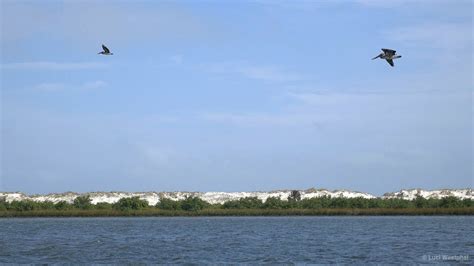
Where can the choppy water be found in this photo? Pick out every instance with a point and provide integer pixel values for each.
(238, 240)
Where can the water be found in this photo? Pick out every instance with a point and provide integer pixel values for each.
(238, 240)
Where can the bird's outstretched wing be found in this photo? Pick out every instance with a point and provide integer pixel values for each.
(389, 51)
(380, 55)
(105, 49)
(390, 61)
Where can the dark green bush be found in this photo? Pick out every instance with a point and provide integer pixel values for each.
(375, 203)
(45, 205)
(243, 203)
(193, 204)
(450, 202)
(62, 205)
(340, 202)
(82, 202)
(358, 203)
(275, 203)
(248, 203)
(232, 204)
(168, 204)
(316, 203)
(24, 205)
(3, 204)
(133, 203)
(467, 203)
(251, 203)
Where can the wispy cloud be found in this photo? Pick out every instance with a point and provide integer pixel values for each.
(297, 5)
(383, 3)
(408, 5)
(45, 65)
(155, 154)
(317, 109)
(269, 73)
(451, 36)
(93, 85)
(264, 119)
(440, 45)
(83, 21)
(50, 86)
(266, 73)
(62, 86)
(177, 59)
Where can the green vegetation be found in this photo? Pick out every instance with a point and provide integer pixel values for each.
(243, 203)
(82, 202)
(133, 203)
(194, 206)
(168, 204)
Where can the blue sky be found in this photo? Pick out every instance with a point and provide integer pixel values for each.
(235, 95)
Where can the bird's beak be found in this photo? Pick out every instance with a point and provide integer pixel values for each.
(376, 57)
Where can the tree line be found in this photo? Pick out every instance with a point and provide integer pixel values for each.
(294, 201)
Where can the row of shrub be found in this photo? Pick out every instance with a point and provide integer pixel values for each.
(196, 204)
(327, 202)
(81, 203)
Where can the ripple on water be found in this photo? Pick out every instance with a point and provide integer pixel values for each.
(235, 239)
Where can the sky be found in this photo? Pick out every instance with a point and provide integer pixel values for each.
(235, 95)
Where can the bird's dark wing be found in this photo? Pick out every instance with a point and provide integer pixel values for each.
(380, 55)
(105, 49)
(390, 61)
(388, 51)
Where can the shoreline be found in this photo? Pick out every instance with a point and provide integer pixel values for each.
(153, 212)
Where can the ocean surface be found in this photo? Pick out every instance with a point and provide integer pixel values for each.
(300, 240)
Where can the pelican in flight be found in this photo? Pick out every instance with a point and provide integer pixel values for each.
(388, 55)
(106, 51)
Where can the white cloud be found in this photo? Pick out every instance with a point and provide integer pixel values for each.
(436, 6)
(297, 5)
(267, 73)
(265, 119)
(383, 3)
(352, 110)
(155, 154)
(439, 45)
(87, 21)
(50, 86)
(62, 86)
(322, 98)
(451, 36)
(177, 59)
(93, 85)
(44, 65)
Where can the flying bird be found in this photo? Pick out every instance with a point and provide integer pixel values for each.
(389, 55)
(105, 51)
